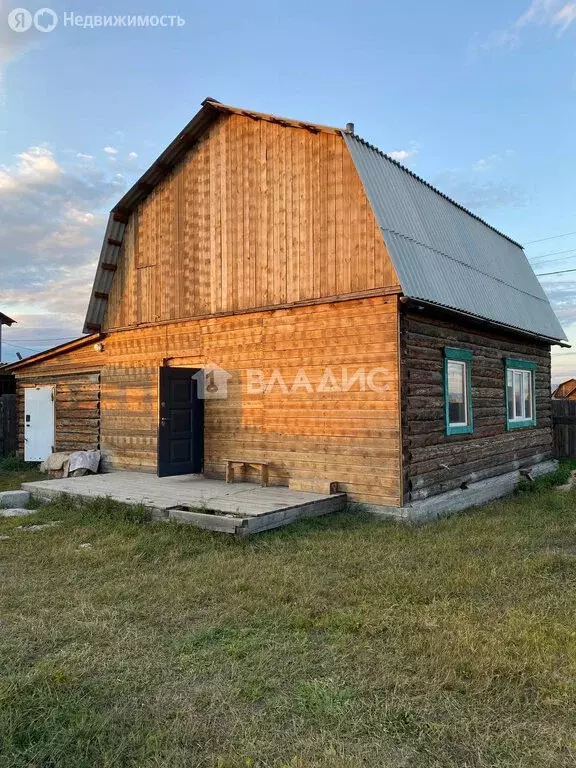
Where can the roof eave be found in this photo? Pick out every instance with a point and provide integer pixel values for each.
(5, 320)
(493, 323)
(61, 349)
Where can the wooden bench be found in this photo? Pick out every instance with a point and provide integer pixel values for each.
(262, 466)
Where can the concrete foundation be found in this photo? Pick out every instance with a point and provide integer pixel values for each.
(448, 503)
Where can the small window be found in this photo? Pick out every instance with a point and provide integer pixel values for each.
(520, 405)
(457, 390)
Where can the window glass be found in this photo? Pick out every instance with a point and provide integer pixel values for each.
(517, 393)
(457, 393)
(528, 394)
(520, 390)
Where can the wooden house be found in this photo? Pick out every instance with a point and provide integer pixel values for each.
(282, 291)
(566, 390)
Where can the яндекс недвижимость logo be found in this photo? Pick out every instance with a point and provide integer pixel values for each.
(21, 20)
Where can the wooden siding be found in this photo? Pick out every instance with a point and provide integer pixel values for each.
(77, 407)
(434, 462)
(257, 215)
(350, 437)
(566, 390)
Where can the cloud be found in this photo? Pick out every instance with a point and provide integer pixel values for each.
(563, 364)
(555, 14)
(482, 185)
(132, 155)
(548, 13)
(12, 45)
(35, 166)
(564, 17)
(52, 220)
(564, 360)
(403, 155)
(561, 294)
(477, 193)
(499, 38)
(111, 150)
(491, 161)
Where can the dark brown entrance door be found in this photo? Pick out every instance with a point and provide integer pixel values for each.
(181, 428)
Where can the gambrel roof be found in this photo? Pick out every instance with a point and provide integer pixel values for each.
(445, 255)
(442, 253)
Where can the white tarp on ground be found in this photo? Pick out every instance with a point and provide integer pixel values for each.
(88, 460)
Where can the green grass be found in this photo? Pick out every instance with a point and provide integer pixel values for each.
(334, 643)
(14, 471)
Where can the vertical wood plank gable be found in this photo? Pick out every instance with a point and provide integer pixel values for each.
(257, 214)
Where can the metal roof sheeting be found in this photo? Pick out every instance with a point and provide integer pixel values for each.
(446, 255)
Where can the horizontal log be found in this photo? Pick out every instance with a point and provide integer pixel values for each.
(462, 471)
(477, 475)
(453, 334)
(422, 470)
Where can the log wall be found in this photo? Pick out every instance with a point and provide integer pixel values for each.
(351, 437)
(77, 407)
(258, 214)
(490, 450)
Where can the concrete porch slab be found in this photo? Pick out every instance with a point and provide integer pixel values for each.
(238, 508)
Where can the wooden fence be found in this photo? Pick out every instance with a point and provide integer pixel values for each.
(564, 420)
(8, 422)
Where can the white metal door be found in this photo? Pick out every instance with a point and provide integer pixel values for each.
(38, 423)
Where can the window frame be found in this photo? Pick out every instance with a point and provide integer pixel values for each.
(519, 366)
(464, 356)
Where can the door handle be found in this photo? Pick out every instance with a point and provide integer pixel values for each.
(164, 420)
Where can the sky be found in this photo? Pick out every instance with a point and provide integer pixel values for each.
(477, 98)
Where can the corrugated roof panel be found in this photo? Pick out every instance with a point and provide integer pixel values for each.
(445, 254)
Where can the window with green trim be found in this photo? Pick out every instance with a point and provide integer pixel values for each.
(458, 391)
(520, 393)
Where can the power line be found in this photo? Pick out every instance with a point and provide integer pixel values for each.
(58, 338)
(18, 346)
(561, 272)
(553, 262)
(553, 253)
(552, 237)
